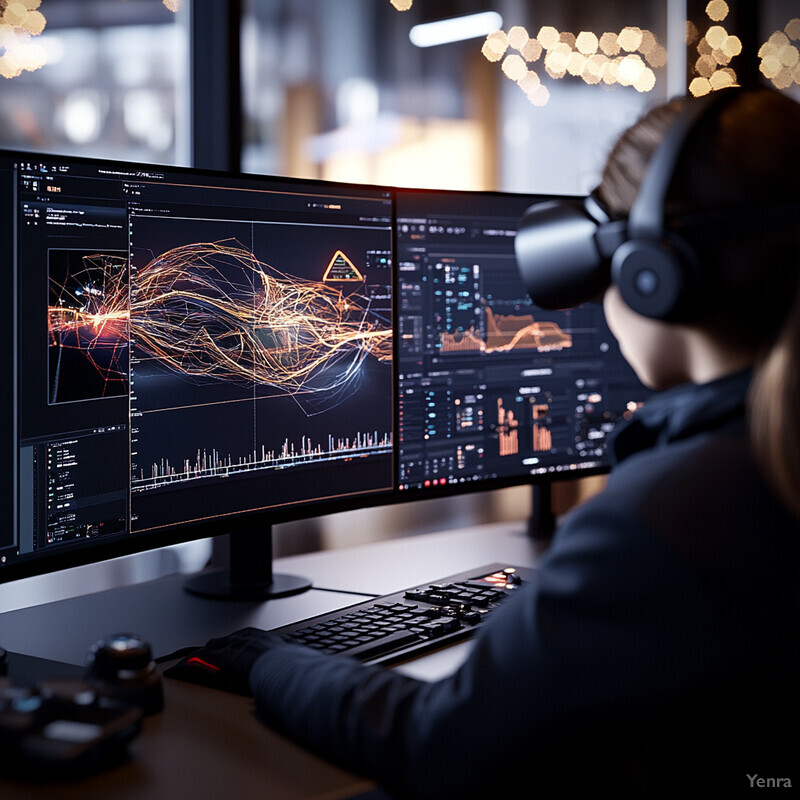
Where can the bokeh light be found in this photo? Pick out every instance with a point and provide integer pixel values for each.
(717, 10)
(609, 44)
(587, 43)
(518, 37)
(532, 50)
(715, 51)
(699, 87)
(548, 37)
(780, 58)
(715, 36)
(630, 39)
(625, 58)
(20, 22)
(495, 46)
(514, 67)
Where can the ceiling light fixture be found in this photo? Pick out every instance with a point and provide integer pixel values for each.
(455, 29)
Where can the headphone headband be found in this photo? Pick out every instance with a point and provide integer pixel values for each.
(646, 219)
(569, 252)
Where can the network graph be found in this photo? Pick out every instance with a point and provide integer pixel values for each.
(265, 348)
(208, 312)
(87, 322)
(215, 312)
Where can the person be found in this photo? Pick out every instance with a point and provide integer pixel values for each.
(655, 651)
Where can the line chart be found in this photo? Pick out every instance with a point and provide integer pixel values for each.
(505, 333)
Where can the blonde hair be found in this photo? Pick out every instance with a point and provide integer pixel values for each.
(744, 157)
(774, 406)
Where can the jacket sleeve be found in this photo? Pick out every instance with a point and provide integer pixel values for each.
(608, 620)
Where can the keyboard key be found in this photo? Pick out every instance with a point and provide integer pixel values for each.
(401, 623)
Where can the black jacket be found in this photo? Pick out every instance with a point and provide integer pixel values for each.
(654, 653)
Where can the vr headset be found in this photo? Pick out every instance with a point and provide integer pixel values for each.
(569, 252)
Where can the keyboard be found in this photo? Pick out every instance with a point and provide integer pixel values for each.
(397, 627)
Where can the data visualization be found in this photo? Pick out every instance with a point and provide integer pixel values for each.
(193, 353)
(193, 347)
(256, 346)
(491, 386)
(87, 320)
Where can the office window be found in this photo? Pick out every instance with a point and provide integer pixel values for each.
(112, 83)
(337, 90)
(341, 91)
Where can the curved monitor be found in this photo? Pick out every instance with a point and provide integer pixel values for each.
(191, 353)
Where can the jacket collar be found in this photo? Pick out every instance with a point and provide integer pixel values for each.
(681, 412)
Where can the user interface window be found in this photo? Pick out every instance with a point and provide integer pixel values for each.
(194, 346)
(491, 386)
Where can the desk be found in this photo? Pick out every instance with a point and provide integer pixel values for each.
(394, 565)
(207, 744)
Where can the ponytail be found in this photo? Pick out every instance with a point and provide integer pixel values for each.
(774, 408)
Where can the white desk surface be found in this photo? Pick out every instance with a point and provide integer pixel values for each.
(396, 564)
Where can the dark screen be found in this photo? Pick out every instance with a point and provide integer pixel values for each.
(190, 347)
(185, 349)
(491, 386)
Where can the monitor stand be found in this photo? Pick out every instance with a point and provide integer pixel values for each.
(542, 521)
(248, 575)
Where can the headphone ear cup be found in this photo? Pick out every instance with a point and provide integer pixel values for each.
(652, 278)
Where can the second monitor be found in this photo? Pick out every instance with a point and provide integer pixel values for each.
(492, 389)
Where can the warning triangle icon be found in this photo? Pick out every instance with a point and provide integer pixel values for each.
(342, 268)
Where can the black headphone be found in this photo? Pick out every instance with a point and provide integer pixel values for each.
(569, 252)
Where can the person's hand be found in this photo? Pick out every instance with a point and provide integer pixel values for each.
(225, 663)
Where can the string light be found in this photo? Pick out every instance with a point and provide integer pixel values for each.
(518, 37)
(627, 58)
(495, 46)
(20, 21)
(587, 43)
(780, 59)
(717, 10)
(715, 50)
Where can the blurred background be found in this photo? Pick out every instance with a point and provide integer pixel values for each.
(512, 95)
